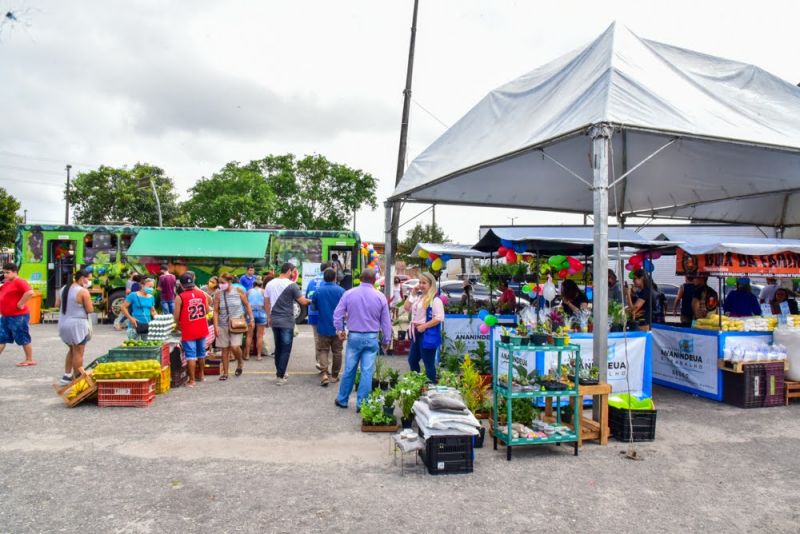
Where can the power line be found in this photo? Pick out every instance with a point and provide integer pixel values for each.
(18, 180)
(26, 169)
(431, 114)
(54, 160)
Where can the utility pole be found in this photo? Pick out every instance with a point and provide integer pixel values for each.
(391, 245)
(66, 197)
(24, 216)
(433, 210)
(158, 202)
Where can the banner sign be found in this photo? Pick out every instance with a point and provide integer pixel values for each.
(687, 359)
(782, 264)
(465, 328)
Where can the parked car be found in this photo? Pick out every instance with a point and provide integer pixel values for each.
(454, 289)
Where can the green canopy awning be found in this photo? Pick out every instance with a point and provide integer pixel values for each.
(200, 244)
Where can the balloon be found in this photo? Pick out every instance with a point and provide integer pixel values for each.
(648, 266)
(526, 288)
(433, 256)
(575, 263)
(655, 254)
(563, 273)
(589, 293)
(502, 251)
(519, 247)
(484, 329)
(629, 267)
(423, 253)
(429, 262)
(571, 271)
(730, 281)
(506, 243)
(636, 261)
(511, 256)
(549, 289)
(437, 264)
(630, 275)
(556, 261)
(89, 268)
(482, 314)
(444, 299)
(102, 270)
(445, 257)
(490, 320)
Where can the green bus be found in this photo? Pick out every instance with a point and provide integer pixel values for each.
(48, 255)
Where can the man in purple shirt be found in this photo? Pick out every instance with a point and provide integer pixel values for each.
(166, 285)
(366, 312)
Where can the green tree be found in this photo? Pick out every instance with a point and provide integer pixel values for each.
(314, 193)
(428, 233)
(237, 196)
(8, 218)
(118, 194)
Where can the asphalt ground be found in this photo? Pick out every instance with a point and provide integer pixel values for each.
(247, 456)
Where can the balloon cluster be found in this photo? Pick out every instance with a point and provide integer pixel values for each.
(489, 321)
(513, 252)
(642, 260)
(100, 270)
(373, 260)
(434, 261)
(562, 266)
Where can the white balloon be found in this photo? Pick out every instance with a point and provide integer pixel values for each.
(549, 290)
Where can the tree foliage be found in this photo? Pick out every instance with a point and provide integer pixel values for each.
(118, 194)
(428, 233)
(8, 218)
(237, 196)
(314, 193)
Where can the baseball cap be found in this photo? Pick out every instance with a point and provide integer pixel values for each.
(186, 279)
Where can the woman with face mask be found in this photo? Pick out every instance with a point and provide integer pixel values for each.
(73, 323)
(139, 308)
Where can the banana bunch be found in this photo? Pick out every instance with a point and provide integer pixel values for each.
(80, 386)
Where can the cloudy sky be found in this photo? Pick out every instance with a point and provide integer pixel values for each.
(191, 85)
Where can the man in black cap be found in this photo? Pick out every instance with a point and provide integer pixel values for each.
(191, 311)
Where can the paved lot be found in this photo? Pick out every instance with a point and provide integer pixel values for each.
(246, 456)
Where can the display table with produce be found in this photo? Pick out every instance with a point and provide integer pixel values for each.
(513, 431)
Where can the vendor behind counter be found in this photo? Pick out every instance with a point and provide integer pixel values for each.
(741, 302)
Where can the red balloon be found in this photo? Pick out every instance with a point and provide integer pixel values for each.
(629, 267)
(563, 273)
(636, 261)
(433, 256)
(575, 263)
(511, 256)
(502, 251)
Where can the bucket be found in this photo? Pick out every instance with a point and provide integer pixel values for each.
(35, 308)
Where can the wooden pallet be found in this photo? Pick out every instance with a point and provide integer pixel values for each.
(738, 367)
(792, 390)
(62, 391)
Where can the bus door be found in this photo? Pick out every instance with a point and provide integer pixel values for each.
(60, 266)
(342, 254)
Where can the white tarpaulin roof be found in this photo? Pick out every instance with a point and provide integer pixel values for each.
(451, 249)
(751, 246)
(562, 239)
(737, 132)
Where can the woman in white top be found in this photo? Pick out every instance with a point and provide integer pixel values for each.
(427, 315)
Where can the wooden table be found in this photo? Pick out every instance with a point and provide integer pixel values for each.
(590, 429)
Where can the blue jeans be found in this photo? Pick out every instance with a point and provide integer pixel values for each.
(168, 306)
(283, 349)
(415, 352)
(363, 349)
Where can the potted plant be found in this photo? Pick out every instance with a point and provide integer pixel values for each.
(539, 336)
(475, 393)
(448, 378)
(505, 335)
(522, 334)
(482, 363)
(616, 316)
(389, 398)
(373, 416)
(409, 388)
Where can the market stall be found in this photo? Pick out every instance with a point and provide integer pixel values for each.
(698, 359)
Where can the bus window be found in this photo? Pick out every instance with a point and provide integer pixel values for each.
(35, 246)
(98, 246)
(125, 243)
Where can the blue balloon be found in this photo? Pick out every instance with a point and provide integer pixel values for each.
(429, 261)
(519, 248)
(482, 314)
(589, 293)
(89, 268)
(102, 270)
(506, 243)
(445, 258)
(648, 266)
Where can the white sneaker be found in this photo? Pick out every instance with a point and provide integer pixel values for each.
(281, 381)
(66, 379)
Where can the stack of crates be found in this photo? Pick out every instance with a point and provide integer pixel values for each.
(759, 385)
(137, 392)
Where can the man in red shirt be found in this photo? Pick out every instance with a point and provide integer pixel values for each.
(14, 314)
(191, 310)
(508, 300)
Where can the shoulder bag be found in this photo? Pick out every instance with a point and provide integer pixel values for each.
(236, 325)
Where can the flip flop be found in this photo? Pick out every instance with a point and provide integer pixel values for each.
(223, 377)
(238, 372)
(25, 364)
(189, 385)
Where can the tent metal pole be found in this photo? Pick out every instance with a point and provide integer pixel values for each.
(388, 251)
(601, 137)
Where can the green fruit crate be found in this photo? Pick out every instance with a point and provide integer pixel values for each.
(131, 354)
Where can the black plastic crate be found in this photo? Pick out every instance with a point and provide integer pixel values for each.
(644, 424)
(448, 454)
(179, 376)
(760, 385)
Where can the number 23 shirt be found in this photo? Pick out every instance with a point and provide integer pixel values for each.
(193, 321)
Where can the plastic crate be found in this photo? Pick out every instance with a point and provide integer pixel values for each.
(212, 367)
(179, 376)
(131, 354)
(164, 380)
(136, 392)
(448, 454)
(759, 385)
(644, 424)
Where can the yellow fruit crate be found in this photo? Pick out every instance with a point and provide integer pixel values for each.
(77, 391)
(163, 380)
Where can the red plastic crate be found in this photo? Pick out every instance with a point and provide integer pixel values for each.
(136, 392)
(212, 367)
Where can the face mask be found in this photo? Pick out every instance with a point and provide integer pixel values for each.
(224, 286)
(87, 284)
(148, 290)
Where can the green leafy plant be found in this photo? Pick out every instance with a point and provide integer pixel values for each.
(372, 410)
(522, 329)
(522, 411)
(389, 398)
(448, 378)
(523, 377)
(473, 390)
(481, 359)
(409, 388)
(616, 313)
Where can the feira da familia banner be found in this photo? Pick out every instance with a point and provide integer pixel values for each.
(782, 264)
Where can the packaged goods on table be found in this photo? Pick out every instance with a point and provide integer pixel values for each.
(160, 327)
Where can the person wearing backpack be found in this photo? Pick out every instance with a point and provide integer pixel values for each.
(427, 315)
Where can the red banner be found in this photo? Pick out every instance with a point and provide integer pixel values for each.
(783, 264)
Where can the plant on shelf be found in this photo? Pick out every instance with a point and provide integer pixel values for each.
(522, 411)
(555, 321)
(372, 413)
(481, 361)
(525, 378)
(616, 316)
(522, 329)
(473, 390)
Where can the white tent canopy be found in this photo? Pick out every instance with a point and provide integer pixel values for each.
(732, 132)
(451, 249)
(562, 239)
(751, 246)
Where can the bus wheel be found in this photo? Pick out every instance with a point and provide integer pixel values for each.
(115, 301)
(300, 313)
